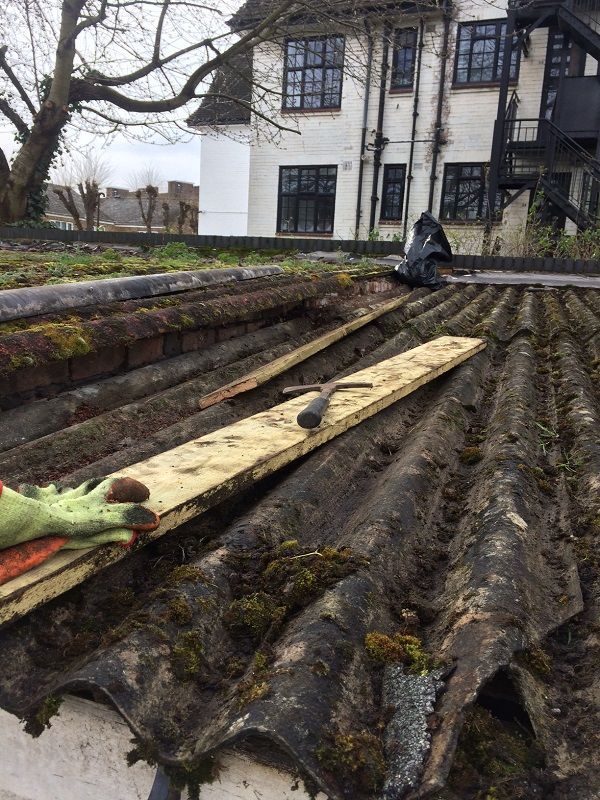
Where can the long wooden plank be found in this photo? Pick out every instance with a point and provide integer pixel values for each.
(188, 480)
(269, 371)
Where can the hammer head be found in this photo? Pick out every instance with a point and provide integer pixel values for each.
(330, 387)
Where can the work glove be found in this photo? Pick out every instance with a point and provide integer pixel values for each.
(97, 512)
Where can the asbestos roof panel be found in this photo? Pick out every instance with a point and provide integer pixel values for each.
(462, 516)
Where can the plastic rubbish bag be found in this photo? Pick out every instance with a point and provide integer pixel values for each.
(425, 245)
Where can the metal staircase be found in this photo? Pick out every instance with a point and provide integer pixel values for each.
(536, 153)
(580, 19)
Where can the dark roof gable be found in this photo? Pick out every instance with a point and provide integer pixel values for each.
(233, 80)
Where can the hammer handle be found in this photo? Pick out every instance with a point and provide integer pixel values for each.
(312, 415)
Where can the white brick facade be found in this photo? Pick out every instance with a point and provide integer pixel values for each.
(334, 138)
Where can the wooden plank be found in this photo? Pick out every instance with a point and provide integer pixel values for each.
(269, 371)
(188, 480)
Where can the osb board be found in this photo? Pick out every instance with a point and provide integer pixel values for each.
(186, 481)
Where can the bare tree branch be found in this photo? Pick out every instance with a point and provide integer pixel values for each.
(14, 80)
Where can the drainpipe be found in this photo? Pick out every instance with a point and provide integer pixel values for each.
(380, 142)
(363, 138)
(440, 105)
(413, 134)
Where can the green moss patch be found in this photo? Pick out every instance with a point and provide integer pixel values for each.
(408, 650)
(492, 754)
(356, 759)
(187, 655)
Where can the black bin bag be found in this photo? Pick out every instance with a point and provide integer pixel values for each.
(426, 244)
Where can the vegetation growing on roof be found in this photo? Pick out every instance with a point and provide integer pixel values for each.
(471, 455)
(35, 725)
(187, 655)
(253, 614)
(408, 650)
(491, 757)
(255, 685)
(356, 759)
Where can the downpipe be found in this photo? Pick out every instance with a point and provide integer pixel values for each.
(440, 105)
(380, 142)
(409, 177)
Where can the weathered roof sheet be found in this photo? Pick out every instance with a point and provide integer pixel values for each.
(463, 516)
(233, 80)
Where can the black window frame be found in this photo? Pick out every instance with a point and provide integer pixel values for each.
(322, 200)
(399, 59)
(388, 181)
(482, 198)
(498, 38)
(303, 68)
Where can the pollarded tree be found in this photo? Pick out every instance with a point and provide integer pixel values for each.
(85, 172)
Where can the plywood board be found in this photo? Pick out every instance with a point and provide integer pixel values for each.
(188, 480)
(279, 365)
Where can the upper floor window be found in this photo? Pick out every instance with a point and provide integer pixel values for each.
(403, 62)
(392, 195)
(313, 72)
(306, 199)
(480, 52)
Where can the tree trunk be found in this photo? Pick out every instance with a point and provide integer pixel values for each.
(66, 197)
(90, 196)
(30, 167)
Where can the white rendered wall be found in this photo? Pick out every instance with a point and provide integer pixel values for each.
(224, 176)
(82, 757)
(333, 138)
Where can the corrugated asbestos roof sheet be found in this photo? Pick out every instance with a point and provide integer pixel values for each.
(233, 81)
(465, 516)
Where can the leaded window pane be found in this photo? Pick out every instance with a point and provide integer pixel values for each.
(313, 72)
(307, 199)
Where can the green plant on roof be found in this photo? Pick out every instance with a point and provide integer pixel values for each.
(547, 435)
(400, 648)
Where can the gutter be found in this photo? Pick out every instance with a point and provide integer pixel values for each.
(440, 104)
(409, 177)
(363, 138)
(380, 142)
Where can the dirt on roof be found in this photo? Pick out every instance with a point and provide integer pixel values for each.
(411, 610)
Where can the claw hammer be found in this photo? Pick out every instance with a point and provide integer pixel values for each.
(312, 415)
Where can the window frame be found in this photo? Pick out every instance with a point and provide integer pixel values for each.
(397, 50)
(386, 181)
(307, 195)
(482, 211)
(287, 69)
(500, 24)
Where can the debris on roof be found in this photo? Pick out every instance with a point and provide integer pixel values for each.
(411, 608)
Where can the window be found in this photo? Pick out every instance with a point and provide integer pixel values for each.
(63, 226)
(306, 199)
(480, 52)
(464, 192)
(392, 195)
(313, 72)
(403, 62)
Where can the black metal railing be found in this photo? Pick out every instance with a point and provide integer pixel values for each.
(588, 11)
(536, 150)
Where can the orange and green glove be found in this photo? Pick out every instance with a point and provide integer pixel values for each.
(97, 512)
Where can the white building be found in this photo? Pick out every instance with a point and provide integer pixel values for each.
(225, 152)
(373, 154)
